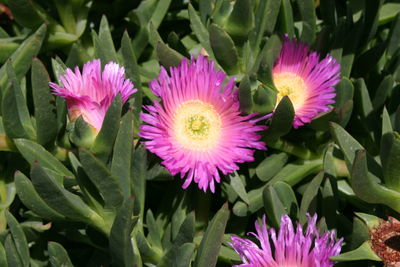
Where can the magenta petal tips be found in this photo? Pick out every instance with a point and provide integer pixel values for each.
(288, 247)
(90, 93)
(196, 128)
(307, 81)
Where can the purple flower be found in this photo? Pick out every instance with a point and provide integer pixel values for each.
(290, 247)
(196, 128)
(90, 93)
(307, 81)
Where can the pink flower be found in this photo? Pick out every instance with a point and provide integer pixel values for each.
(307, 81)
(196, 128)
(290, 247)
(90, 93)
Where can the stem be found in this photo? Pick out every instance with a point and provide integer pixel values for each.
(292, 149)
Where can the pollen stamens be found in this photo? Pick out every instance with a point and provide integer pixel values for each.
(291, 85)
(197, 125)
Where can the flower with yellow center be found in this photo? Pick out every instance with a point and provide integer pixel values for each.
(307, 81)
(196, 128)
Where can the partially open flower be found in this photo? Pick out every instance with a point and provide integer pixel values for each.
(90, 93)
(197, 129)
(385, 241)
(307, 81)
(289, 247)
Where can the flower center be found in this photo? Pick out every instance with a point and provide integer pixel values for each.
(197, 125)
(291, 85)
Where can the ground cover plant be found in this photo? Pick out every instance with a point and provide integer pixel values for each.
(200, 133)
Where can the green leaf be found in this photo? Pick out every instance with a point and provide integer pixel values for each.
(286, 18)
(388, 12)
(3, 256)
(102, 178)
(120, 235)
(281, 122)
(394, 36)
(245, 99)
(238, 186)
(168, 57)
(82, 134)
(384, 90)
(346, 142)
(22, 58)
(103, 43)
(138, 176)
(390, 158)
(181, 244)
(25, 13)
(132, 70)
(34, 152)
(267, 58)
(31, 199)
(364, 252)
(200, 31)
(271, 165)
(344, 92)
(61, 200)
(13, 258)
(58, 256)
(264, 99)
(224, 49)
(104, 141)
(307, 13)
(16, 119)
(45, 110)
(122, 153)
(367, 188)
(279, 199)
(207, 254)
(386, 123)
(154, 233)
(205, 8)
(241, 20)
(309, 199)
(21, 244)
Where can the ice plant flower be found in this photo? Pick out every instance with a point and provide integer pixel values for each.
(307, 81)
(196, 128)
(290, 247)
(90, 93)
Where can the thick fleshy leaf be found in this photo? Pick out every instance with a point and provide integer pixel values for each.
(271, 165)
(246, 102)
(390, 158)
(384, 91)
(13, 258)
(31, 199)
(307, 13)
(35, 153)
(22, 57)
(120, 235)
(237, 184)
(16, 119)
(282, 120)
(21, 244)
(168, 56)
(107, 184)
(207, 254)
(104, 141)
(364, 252)
(122, 153)
(224, 49)
(45, 109)
(367, 188)
(58, 256)
(25, 13)
(61, 200)
(3, 257)
(241, 20)
(309, 199)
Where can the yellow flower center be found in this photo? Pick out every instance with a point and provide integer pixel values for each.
(197, 125)
(291, 85)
